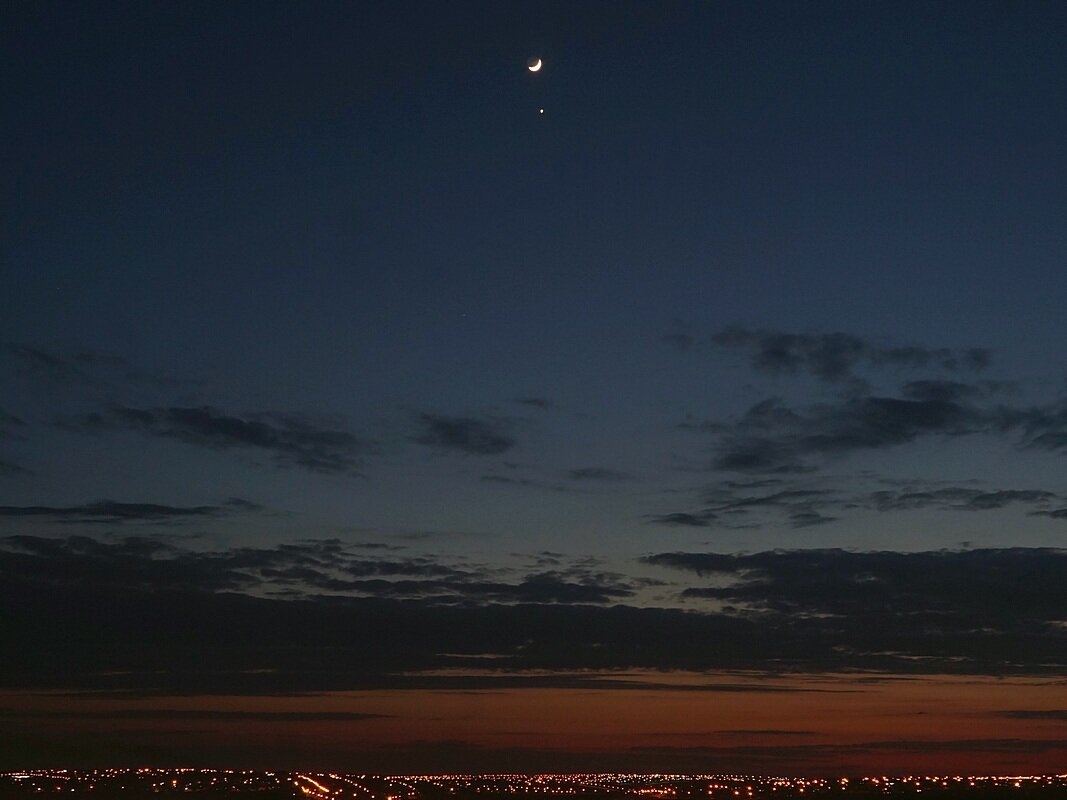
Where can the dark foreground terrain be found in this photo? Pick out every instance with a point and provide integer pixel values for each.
(130, 784)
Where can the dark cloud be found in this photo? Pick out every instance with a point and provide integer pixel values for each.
(730, 504)
(786, 497)
(299, 570)
(80, 367)
(130, 562)
(9, 422)
(1046, 427)
(1056, 513)
(683, 519)
(1051, 441)
(833, 357)
(110, 511)
(196, 714)
(464, 434)
(682, 342)
(1033, 713)
(770, 437)
(980, 605)
(973, 612)
(597, 474)
(552, 587)
(376, 546)
(730, 509)
(9, 469)
(525, 483)
(806, 518)
(679, 337)
(264, 646)
(540, 588)
(556, 482)
(240, 504)
(959, 498)
(753, 483)
(30, 361)
(548, 557)
(954, 391)
(764, 732)
(290, 440)
(507, 480)
(535, 402)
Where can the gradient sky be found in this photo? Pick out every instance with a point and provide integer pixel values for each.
(355, 413)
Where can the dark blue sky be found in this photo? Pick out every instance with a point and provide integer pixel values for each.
(762, 276)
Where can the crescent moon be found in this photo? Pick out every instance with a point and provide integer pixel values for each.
(535, 67)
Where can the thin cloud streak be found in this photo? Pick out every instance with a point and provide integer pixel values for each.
(290, 440)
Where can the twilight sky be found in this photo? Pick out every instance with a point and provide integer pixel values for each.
(355, 413)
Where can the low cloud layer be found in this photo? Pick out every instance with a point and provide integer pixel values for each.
(214, 715)
(301, 569)
(800, 504)
(9, 469)
(962, 606)
(480, 437)
(70, 368)
(733, 506)
(597, 474)
(112, 512)
(288, 439)
(834, 357)
(1034, 713)
(971, 612)
(772, 437)
(9, 423)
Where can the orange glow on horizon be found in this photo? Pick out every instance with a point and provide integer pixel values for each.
(825, 721)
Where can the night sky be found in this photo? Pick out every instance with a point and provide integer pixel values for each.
(355, 413)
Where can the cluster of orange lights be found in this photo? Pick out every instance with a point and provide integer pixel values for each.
(640, 786)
